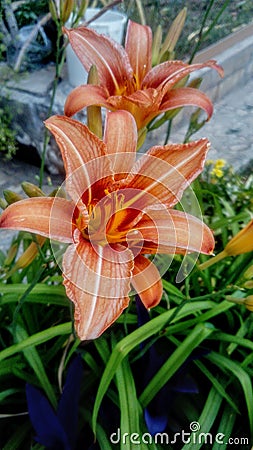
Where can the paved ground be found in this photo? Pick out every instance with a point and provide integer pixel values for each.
(231, 128)
(230, 131)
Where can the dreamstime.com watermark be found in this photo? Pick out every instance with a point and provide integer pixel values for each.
(191, 436)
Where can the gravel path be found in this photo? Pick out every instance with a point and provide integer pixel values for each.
(230, 129)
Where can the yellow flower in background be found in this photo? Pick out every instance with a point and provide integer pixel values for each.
(220, 163)
(218, 166)
(217, 172)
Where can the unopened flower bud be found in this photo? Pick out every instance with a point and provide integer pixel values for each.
(53, 10)
(94, 117)
(242, 242)
(248, 302)
(248, 274)
(3, 203)
(11, 254)
(30, 253)
(82, 6)
(174, 33)
(32, 190)
(195, 83)
(28, 256)
(66, 10)
(156, 45)
(12, 197)
(142, 133)
(58, 192)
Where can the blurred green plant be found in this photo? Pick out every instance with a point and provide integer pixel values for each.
(8, 143)
(223, 17)
(28, 12)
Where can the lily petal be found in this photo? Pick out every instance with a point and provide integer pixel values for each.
(166, 75)
(77, 143)
(84, 156)
(49, 217)
(164, 172)
(172, 231)
(121, 137)
(186, 97)
(109, 57)
(138, 46)
(83, 96)
(97, 280)
(147, 282)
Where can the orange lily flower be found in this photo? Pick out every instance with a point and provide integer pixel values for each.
(118, 210)
(127, 79)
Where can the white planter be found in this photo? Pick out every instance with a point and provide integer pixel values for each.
(111, 23)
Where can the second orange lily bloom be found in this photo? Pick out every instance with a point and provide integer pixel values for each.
(119, 210)
(127, 80)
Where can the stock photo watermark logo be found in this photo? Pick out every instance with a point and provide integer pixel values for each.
(193, 435)
(129, 215)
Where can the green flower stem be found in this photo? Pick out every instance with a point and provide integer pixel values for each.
(59, 60)
(202, 35)
(168, 132)
(213, 260)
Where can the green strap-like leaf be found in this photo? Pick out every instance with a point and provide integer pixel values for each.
(243, 377)
(195, 337)
(40, 293)
(36, 339)
(129, 405)
(225, 428)
(132, 340)
(34, 360)
(218, 384)
(204, 423)
(18, 437)
(141, 334)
